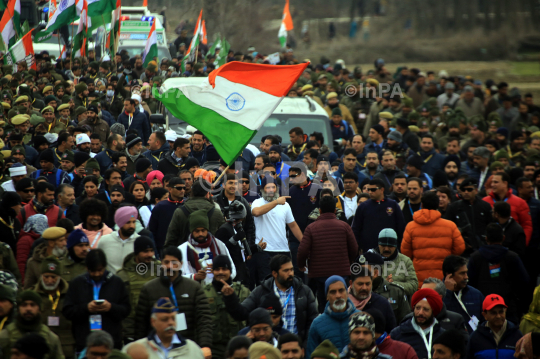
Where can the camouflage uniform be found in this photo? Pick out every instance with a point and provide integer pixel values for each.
(395, 294)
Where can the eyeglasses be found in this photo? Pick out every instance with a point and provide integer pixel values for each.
(273, 173)
(373, 189)
(180, 188)
(293, 176)
(29, 190)
(468, 189)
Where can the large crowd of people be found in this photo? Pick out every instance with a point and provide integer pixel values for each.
(413, 232)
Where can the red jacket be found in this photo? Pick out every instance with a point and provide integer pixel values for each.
(53, 213)
(396, 349)
(329, 246)
(24, 245)
(519, 211)
(428, 240)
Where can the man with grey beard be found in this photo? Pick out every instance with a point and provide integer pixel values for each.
(335, 320)
(54, 245)
(52, 289)
(271, 213)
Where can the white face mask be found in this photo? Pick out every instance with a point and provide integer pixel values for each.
(110, 93)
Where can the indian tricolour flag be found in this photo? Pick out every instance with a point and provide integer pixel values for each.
(64, 14)
(231, 105)
(23, 50)
(150, 49)
(192, 50)
(286, 25)
(114, 33)
(10, 25)
(79, 41)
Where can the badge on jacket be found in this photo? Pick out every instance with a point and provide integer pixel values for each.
(389, 211)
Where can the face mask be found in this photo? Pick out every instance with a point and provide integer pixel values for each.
(110, 93)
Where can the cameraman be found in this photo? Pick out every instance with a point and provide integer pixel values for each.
(233, 235)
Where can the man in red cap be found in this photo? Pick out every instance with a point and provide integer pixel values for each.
(496, 337)
(420, 331)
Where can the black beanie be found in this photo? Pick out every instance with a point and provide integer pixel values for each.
(142, 243)
(222, 261)
(47, 155)
(80, 158)
(272, 304)
(378, 128)
(415, 161)
(260, 316)
(118, 188)
(142, 165)
(24, 184)
(514, 135)
(440, 179)
(454, 340)
(39, 140)
(32, 345)
(378, 317)
(192, 162)
(10, 199)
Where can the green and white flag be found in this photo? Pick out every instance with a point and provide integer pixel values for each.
(150, 49)
(10, 25)
(23, 50)
(100, 7)
(221, 58)
(65, 14)
(212, 49)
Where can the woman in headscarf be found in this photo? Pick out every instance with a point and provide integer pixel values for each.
(33, 229)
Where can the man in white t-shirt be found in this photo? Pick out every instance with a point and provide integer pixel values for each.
(272, 213)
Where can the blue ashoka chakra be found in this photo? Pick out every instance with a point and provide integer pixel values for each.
(63, 5)
(235, 102)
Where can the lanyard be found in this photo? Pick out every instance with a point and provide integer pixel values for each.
(173, 296)
(281, 169)
(97, 288)
(55, 303)
(410, 208)
(130, 120)
(426, 343)
(108, 197)
(159, 157)
(287, 301)
(458, 297)
(427, 159)
(95, 239)
(536, 193)
(3, 322)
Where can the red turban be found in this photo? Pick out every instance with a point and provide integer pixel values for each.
(432, 297)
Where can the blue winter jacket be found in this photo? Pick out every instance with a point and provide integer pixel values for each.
(157, 155)
(472, 298)
(482, 344)
(330, 325)
(434, 162)
(407, 334)
(140, 123)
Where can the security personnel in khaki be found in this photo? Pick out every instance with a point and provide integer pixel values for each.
(51, 124)
(52, 289)
(394, 293)
(22, 122)
(8, 262)
(138, 268)
(225, 327)
(73, 264)
(64, 115)
(29, 306)
(332, 101)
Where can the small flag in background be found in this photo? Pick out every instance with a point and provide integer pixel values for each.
(10, 25)
(190, 54)
(150, 49)
(21, 51)
(286, 25)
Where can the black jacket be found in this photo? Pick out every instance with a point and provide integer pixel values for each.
(8, 235)
(248, 224)
(406, 333)
(225, 234)
(72, 212)
(471, 220)
(514, 237)
(81, 292)
(304, 301)
(168, 165)
(447, 319)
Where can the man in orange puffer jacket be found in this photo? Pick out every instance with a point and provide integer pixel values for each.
(429, 239)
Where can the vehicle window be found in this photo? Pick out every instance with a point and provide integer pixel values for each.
(136, 50)
(282, 125)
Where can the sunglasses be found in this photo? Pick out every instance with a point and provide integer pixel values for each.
(293, 176)
(273, 173)
(180, 188)
(373, 189)
(245, 181)
(30, 190)
(468, 189)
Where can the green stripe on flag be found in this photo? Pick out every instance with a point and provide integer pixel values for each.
(152, 52)
(210, 123)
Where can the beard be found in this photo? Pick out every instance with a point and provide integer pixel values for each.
(360, 295)
(339, 305)
(334, 105)
(28, 318)
(286, 282)
(50, 287)
(451, 175)
(427, 321)
(199, 239)
(269, 197)
(59, 252)
(127, 232)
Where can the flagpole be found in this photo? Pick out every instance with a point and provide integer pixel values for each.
(60, 51)
(221, 175)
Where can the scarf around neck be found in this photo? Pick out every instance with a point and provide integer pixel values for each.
(359, 304)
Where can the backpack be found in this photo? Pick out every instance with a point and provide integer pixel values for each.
(187, 213)
(58, 176)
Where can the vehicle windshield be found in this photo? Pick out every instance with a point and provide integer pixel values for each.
(138, 50)
(281, 125)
